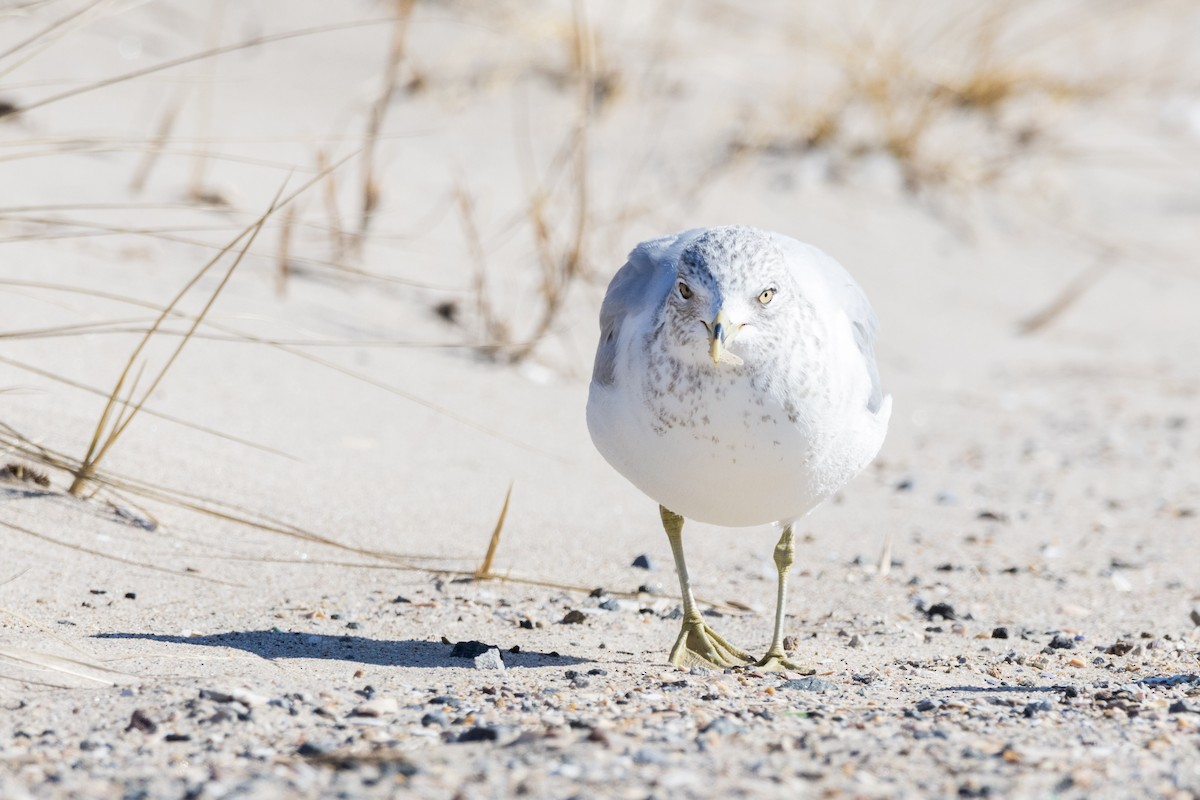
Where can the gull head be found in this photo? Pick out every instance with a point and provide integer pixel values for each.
(729, 299)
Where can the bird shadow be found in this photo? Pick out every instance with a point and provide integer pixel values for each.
(276, 644)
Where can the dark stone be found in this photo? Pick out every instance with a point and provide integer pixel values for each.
(479, 734)
(943, 610)
(574, 617)
(469, 649)
(312, 749)
(643, 562)
(141, 722)
(1060, 642)
(1033, 709)
(610, 605)
(999, 633)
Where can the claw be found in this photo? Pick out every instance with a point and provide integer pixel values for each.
(700, 645)
(778, 662)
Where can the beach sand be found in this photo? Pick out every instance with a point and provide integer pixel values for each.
(260, 591)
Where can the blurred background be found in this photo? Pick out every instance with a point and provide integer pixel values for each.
(395, 222)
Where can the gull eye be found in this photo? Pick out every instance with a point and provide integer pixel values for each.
(765, 296)
(685, 291)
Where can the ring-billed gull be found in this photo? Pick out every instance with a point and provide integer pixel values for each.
(735, 383)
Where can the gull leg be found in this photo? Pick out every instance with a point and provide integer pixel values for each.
(697, 643)
(785, 556)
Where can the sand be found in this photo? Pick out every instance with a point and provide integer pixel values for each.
(261, 593)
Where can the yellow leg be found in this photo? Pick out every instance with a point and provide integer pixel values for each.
(697, 643)
(785, 556)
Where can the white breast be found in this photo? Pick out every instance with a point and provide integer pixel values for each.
(733, 455)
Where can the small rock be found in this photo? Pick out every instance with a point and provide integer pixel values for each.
(435, 718)
(379, 707)
(1000, 633)
(248, 698)
(177, 737)
(1033, 709)
(809, 684)
(313, 749)
(597, 671)
(1060, 642)
(1181, 707)
(927, 705)
(722, 726)
(943, 610)
(610, 605)
(643, 562)
(854, 641)
(574, 617)
(479, 734)
(904, 485)
(1195, 616)
(649, 755)
(133, 596)
(445, 700)
(790, 643)
(1119, 648)
(471, 649)
(141, 722)
(400, 599)
(490, 660)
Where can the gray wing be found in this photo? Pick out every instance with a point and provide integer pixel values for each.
(639, 286)
(853, 301)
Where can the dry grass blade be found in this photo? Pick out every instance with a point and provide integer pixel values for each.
(485, 569)
(560, 264)
(109, 557)
(101, 441)
(51, 28)
(257, 41)
(150, 411)
(66, 666)
(370, 187)
(1068, 296)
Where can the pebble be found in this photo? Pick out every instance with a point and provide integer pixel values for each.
(574, 617)
(809, 684)
(943, 610)
(643, 562)
(141, 721)
(1060, 642)
(471, 649)
(1195, 615)
(999, 633)
(478, 734)
(722, 726)
(490, 660)
(378, 707)
(1033, 709)
(610, 605)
